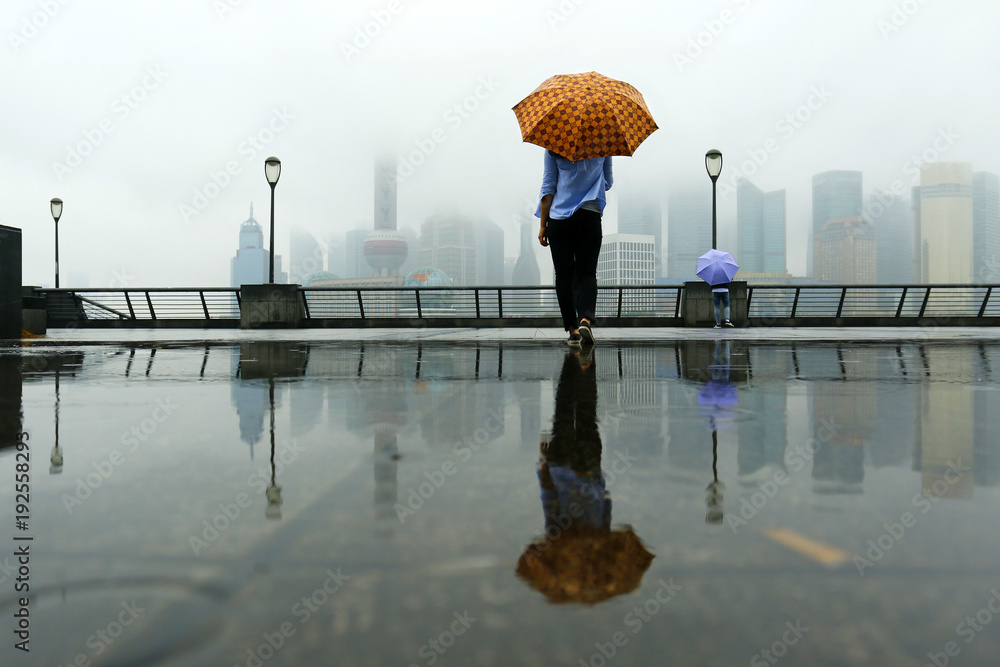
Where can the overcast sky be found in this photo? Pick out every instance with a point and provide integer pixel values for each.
(152, 119)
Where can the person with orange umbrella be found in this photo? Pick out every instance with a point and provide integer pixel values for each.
(582, 120)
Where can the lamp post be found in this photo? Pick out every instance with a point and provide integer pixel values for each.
(713, 164)
(56, 206)
(272, 170)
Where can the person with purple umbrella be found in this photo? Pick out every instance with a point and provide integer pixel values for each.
(717, 268)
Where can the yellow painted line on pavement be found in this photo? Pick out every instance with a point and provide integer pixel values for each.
(823, 554)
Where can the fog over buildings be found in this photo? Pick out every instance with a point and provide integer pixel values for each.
(152, 120)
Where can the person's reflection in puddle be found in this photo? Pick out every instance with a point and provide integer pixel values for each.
(580, 558)
(717, 397)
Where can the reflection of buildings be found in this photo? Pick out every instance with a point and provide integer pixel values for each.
(762, 436)
(631, 400)
(251, 395)
(844, 412)
(946, 423)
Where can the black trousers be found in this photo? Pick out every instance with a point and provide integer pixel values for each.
(576, 244)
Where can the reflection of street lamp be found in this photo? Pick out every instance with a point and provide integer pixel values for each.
(273, 493)
(713, 492)
(56, 207)
(56, 458)
(713, 163)
(272, 170)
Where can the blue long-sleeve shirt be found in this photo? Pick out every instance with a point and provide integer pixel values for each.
(574, 184)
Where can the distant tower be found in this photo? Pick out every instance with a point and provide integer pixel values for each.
(835, 195)
(250, 265)
(689, 231)
(760, 226)
(943, 217)
(385, 249)
(986, 226)
(641, 214)
(526, 269)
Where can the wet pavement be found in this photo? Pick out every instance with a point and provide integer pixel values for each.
(492, 498)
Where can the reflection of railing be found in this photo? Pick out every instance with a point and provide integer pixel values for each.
(877, 303)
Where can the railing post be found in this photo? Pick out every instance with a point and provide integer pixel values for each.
(619, 302)
(361, 304)
(204, 305)
(982, 308)
(128, 302)
(149, 302)
(305, 304)
(420, 312)
(749, 297)
(795, 301)
(477, 309)
(923, 306)
(500, 301)
(840, 306)
(677, 303)
(902, 298)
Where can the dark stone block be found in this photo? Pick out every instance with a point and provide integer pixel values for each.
(10, 283)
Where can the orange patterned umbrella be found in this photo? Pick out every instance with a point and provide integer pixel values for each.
(585, 115)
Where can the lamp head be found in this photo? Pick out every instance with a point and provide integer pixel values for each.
(272, 170)
(713, 163)
(56, 206)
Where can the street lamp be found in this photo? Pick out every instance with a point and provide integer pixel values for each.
(272, 170)
(56, 207)
(713, 163)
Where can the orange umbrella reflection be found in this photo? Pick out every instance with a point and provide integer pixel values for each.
(580, 558)
(585, 565)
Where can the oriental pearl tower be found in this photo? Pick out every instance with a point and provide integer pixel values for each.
(385, 248)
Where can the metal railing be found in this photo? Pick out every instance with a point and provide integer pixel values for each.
(617, 305)
(768, 302)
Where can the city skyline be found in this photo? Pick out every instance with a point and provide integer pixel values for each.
(145, 123)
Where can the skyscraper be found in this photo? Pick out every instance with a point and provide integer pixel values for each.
(385, 249)
(641, 214)
(526, 269)
(893, 222)
(846, 251)
(760, 223)
(986, 227)
(252, 261)
(626, 259)
(943, 221)
(305, 256)
(835, 194)
(489, 253)
(448, 242)
(689, 231)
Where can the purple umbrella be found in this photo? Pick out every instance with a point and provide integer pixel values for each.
(716, 267)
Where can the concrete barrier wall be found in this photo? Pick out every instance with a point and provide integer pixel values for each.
(10, 283)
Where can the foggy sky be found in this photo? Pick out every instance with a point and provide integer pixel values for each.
(172, 107)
